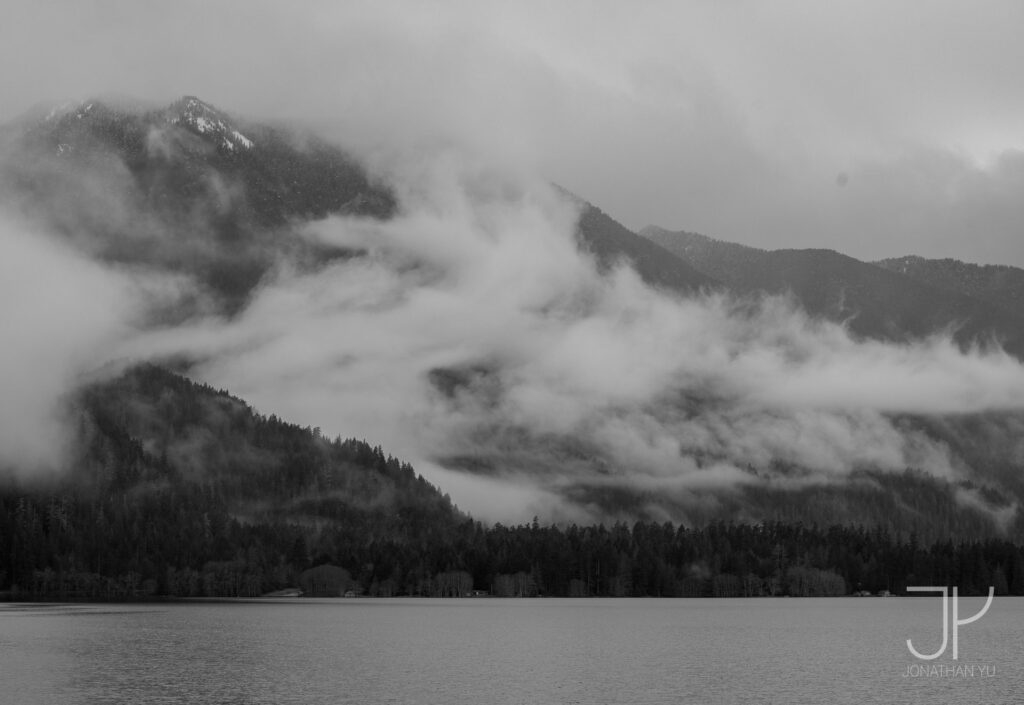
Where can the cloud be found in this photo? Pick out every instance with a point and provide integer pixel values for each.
(732, 119)
(475, 337)
(473, 331)
(60, 313)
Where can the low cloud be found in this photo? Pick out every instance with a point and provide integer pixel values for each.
(472, 336)
(475, 339)
(61, 314)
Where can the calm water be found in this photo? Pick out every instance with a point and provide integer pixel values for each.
(492, 652)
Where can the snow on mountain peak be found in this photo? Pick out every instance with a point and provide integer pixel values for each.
(207, 120)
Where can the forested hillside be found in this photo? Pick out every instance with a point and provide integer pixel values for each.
(181, 490)
(999, 285)
(882, 302)
(176, 488)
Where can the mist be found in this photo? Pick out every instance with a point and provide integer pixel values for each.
(471, 334)
(61, 314)
(475, 339)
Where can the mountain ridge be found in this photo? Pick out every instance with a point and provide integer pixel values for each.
(873, 301)
(612, 242)
(189, 163)
(998, 284)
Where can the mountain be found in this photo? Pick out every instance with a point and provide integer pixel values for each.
(873, 301)
(125, 181)
(611, 242)
(998, 285)
(175, 154)
(191, 190)
(177, 488)
(120, 178)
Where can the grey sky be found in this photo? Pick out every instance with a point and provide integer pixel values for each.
(875, 128)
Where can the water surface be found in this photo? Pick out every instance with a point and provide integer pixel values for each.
(493, 652)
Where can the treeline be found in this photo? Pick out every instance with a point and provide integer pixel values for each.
(180, 490)
(175, 488)
(121, 548)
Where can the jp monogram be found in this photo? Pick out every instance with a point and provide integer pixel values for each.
(957, 622)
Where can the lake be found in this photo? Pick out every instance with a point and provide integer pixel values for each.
(495, 651)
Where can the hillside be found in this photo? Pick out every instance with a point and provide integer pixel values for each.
(611, 243)
(175, 488)
(999, 285)
(178, 490)
(874, 302)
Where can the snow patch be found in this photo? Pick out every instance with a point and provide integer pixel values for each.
(245, 141)
(207, 120)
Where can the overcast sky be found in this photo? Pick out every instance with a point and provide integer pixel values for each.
(874, 128)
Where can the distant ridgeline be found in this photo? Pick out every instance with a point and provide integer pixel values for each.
(181, 490)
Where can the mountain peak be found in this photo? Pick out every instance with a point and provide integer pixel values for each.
(191, 107)
(206, 120)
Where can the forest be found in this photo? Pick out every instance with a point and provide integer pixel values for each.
(180, 490)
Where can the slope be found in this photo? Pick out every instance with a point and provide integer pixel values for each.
(175, 488)
(873, 301)
(999, 285)
(611, 242)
